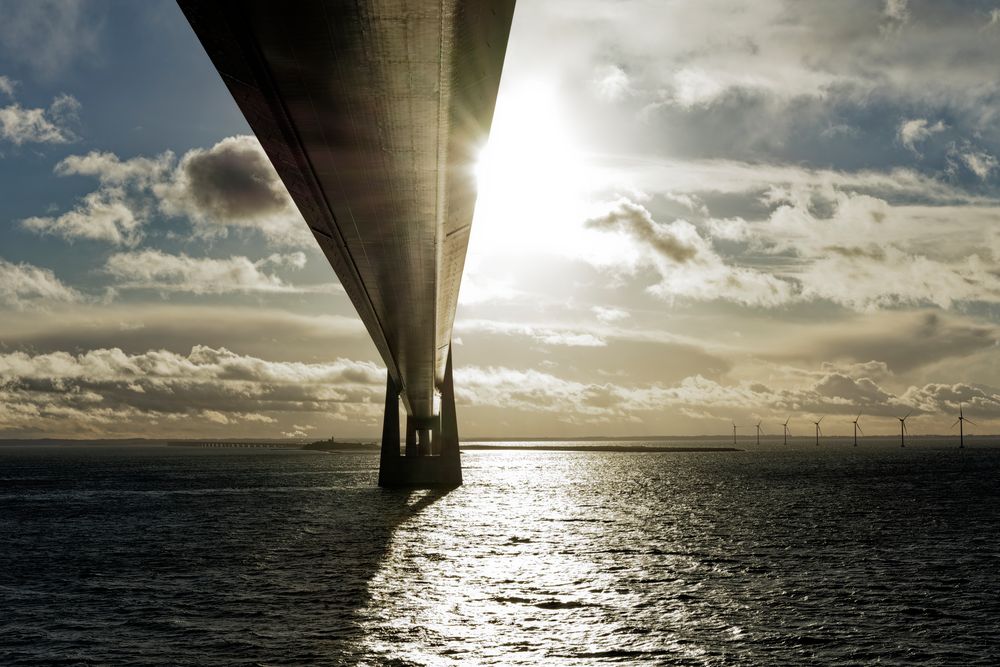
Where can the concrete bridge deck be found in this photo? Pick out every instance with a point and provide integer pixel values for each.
(373, 113)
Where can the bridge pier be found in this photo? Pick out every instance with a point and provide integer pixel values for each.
(431, 457)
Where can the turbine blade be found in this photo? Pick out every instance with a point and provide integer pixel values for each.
(859, 430)
(908, 414)
(956, 423)
(969, 421)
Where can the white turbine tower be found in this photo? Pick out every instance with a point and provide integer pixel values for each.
(961, 427)
(857, 428)
(902, 429)
(758, 432)
(819, 431)
(786, 431)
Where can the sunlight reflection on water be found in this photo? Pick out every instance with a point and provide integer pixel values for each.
(542, 557)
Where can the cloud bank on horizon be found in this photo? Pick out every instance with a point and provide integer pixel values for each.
(689, 213)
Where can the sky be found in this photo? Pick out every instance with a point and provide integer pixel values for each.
(691, 213)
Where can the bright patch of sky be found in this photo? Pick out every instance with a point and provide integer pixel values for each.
(690, 213)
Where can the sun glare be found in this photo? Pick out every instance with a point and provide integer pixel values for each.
(536, 181)
(531, 173)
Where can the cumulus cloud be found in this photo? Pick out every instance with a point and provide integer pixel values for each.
(156, 270)
(231, 185)
(826, 392)
(109, 169)
(611, 83)
(677, 241)
(24, 284)
(7, 85)
(20, 125)
(863, 253)
(688, 265)
(980, 163)
(103, 215)
(916, 130)
(108, 390)
(729, 229)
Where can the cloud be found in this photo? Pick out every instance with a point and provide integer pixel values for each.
(23, 284)
(865, 254)
(231, 185)
(888, 277)
(822, 393)
(7, 85)
(109, 391)
(103, 215)
(49, 35)
(914, 131)
(980, 163)
(110, 170)
(156, 270)
(678, 241)
(730, 229)
(142, 325)
(903, 341)
(688, 265)
(476, 289)
(546, 334)
(19, 125)
(736, 176)
(611, 83)
(606, 314)
(896, 13)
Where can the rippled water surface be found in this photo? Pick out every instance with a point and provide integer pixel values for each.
(175, 556)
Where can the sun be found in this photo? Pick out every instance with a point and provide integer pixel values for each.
(531, 174)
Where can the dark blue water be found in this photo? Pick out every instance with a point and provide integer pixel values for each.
(232, 557)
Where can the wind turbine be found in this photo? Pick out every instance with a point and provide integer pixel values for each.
(857, 427)
(734, 433)
(902, 429)
(961, 427)
(758, 433)
(819, 432)
(785, 426)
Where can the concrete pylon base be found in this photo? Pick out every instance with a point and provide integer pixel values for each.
(437, 465)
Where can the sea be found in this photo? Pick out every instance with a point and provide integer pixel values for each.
(774, 555)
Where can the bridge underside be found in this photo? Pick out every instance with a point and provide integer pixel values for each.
(373, 114)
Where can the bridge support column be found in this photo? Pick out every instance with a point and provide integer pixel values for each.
(390, 431)
(432, 456)
(411, 435)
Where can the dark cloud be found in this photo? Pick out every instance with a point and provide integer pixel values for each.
(673, 242)
(902, 341)
(232, 180)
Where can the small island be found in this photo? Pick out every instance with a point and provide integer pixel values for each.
(332, 445)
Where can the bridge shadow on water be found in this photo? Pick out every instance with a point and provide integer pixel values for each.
(320, 592)
(317, 587)
(106, 559)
